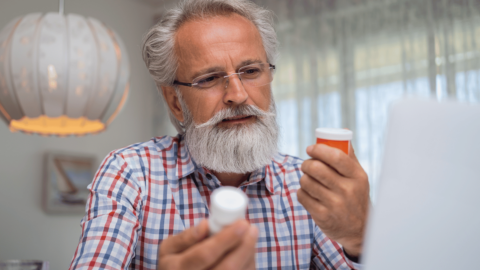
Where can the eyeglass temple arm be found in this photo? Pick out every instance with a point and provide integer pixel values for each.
(190, 85)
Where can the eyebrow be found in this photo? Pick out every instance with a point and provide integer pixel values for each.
(220, 69)
(206, 71)
(249, 62)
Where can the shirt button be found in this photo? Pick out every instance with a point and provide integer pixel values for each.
(209, 177)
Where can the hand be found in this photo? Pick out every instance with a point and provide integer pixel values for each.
(335, 191)
(231, 248)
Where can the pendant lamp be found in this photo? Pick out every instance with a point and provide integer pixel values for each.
(61, 75)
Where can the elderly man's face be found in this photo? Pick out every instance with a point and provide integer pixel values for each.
(221, 43)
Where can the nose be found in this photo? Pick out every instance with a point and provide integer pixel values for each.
(235, 93)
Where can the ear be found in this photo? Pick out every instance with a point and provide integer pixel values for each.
(172, 101)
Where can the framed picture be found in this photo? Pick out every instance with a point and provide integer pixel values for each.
(65, 185)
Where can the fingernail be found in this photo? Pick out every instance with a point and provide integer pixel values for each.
(309, 149)
(241, 229)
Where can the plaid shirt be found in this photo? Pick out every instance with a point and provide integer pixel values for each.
(146, 192)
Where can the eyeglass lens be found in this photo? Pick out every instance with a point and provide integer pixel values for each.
(254, 75)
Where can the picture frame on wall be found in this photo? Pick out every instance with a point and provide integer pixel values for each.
(65, 183)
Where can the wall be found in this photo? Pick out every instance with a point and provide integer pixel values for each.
(26, 232)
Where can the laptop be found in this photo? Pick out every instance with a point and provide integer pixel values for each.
(427, 212)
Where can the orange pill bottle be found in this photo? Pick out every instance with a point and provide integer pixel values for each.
(335, 137)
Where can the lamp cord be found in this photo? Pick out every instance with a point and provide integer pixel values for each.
(61, 4)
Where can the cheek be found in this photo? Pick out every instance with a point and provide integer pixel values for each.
(204, 105)
(261, 97)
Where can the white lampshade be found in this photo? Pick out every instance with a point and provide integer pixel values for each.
(61, 75)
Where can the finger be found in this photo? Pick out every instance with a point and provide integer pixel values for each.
(333, 157)
(180, 242)
(314, 188)
(241, 257)
(322, 173)
(313, 206)
(210, 251)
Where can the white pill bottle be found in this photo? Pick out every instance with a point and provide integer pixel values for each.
(227, 204)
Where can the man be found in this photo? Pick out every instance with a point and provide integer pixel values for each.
(213, 61)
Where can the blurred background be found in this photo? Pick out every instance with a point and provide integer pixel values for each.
(342, 63)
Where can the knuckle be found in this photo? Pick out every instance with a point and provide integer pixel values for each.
(314, 167)
(304, 181)
(322, 215)
(337, 156)
(319, 212)
(364, 176)
(350, 191)
(301, 196)
(205, 257)
(161, 250)
(202, 257)
(305, 165)
(180, 238)
(325, 212)
(345, 189)
(336, 202)
(165, 245)
(302, 167)
(323, 175)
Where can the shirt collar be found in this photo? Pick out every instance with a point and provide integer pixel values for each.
(185, 166)
(261, 174)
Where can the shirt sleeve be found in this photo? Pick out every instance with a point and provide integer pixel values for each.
(328, 254)
(111, 223)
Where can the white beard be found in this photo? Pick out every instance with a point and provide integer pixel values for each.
(238, 149)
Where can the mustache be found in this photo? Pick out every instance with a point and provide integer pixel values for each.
(245, 110)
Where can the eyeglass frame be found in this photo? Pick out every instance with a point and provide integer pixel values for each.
(175, 82)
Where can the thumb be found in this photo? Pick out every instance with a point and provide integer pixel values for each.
(182, 241)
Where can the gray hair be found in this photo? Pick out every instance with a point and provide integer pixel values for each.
(159, 43)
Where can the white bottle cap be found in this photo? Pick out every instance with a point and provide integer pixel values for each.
(227, 204)
(335, 134)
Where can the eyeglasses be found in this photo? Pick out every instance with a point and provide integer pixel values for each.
(254, 75)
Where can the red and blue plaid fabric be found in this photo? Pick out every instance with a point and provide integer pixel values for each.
(146, 192)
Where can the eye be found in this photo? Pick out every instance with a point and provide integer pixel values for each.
(208, 81)
(251, 72)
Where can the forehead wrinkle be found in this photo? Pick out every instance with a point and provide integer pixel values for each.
(215, 35)
(201, 36)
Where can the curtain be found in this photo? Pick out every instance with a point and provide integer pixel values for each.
(343, 62)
